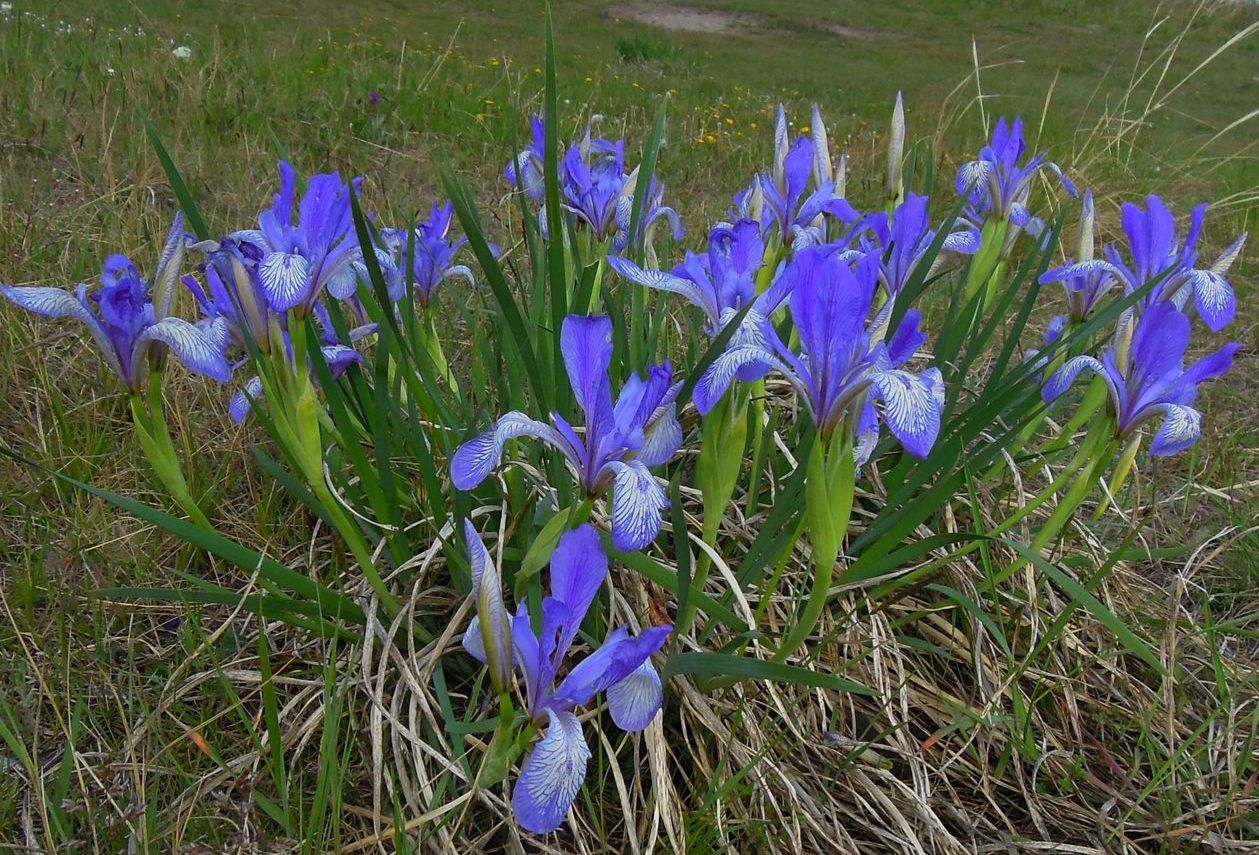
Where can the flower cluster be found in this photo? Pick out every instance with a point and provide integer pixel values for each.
(594, 187)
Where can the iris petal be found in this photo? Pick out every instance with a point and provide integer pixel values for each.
(477, 458)
(634, 700)
(1180, 429)
(552, 775)
(910, 408)
(638, 505)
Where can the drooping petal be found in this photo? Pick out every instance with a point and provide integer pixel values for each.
(284, 277)
(619, 656)
(661, 438)
(1214, 299)
(910, 409)
(964, 242)
(638, 505)
(48, 302)
(552, 775)
(198, 351)
(634, 701)
(1067, 374)
(662, 281)
(1180, 429)
(477, 458)
(56, 303)
(238, 407)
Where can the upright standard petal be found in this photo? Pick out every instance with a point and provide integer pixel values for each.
(586, 343)
(552, 775)
(578, 567)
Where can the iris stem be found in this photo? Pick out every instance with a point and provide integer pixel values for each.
(1117, 478)
(723, 439)
(829, 486)
(159, 448)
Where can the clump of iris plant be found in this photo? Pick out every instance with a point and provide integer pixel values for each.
(620, 668)
(130, 321)
(268, 286)
(841, 374)
(622, 440)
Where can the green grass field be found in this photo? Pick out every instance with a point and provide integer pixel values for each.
(163, 708)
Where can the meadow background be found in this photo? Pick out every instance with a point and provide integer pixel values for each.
(1130, 97)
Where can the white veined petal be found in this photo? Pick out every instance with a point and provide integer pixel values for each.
(661, 438)
(1180, 429)
(552, 775)
(1213, 298)
(238, 408)
(910, 408)
(973, 175)
(284, 277)
(635, 700)
(1067, 374)
(638, 505)
(476, 458)
(195, 348)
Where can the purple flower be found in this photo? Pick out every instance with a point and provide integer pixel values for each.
(127, 319)
(1152, 381)
(902, 240)
(1156, 252)
(373, 97)
(621, 441)
(434, 255)
(783, 194)
(654, 210)
(300, 256)
(621, 667)
(841, 371)
(525, 171)
(997, 186)
(592, 181)
(1086, 281)
(718, 282)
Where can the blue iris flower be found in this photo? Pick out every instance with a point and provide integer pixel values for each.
(997, 185)
(1151, 381)
(620, 442)
(902, 240)
(783, 196)
(1086, 280)
(299, 257)
(620, 667)
(718, 282)
(525, 171)
(127, 318)
(1155, 251)
(842, 369)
